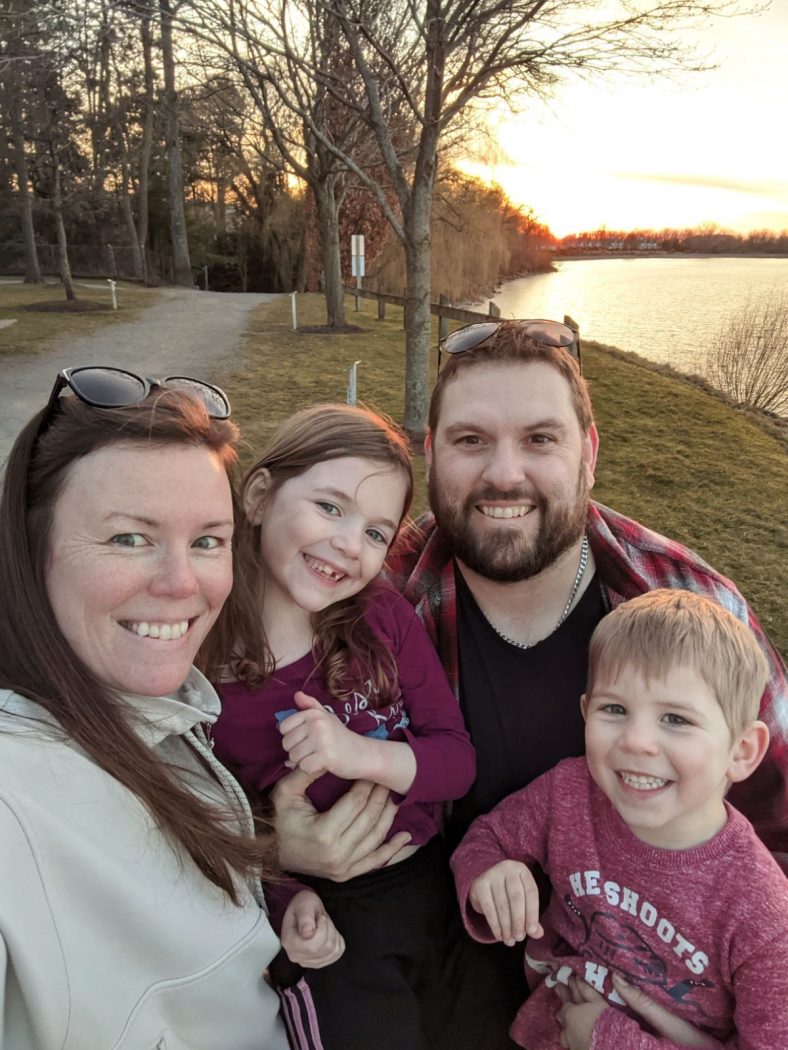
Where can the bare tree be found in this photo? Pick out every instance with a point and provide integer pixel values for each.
(749, 357)
(178, 232)
(18, 52)
(432, 60)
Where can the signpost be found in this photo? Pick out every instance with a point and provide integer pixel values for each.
(357, 263)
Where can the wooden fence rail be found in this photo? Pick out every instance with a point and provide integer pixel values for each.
(443, 310)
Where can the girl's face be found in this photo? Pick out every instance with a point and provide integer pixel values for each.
(324, 534)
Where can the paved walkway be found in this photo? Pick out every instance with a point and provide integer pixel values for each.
(184, 333)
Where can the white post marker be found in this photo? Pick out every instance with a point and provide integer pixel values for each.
(357, 264)
(112, 291)
(351, 383)
(293, 311)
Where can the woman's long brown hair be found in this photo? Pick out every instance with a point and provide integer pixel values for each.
(37, 661)
(237, 646)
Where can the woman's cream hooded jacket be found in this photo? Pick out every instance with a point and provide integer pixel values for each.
(109, 938)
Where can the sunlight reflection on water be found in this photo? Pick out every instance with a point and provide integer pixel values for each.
(667, 310)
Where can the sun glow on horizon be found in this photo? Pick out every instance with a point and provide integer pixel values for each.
(654, 155)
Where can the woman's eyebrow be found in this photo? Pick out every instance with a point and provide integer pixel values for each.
(129, 516)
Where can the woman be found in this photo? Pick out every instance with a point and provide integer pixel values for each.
(131, 914)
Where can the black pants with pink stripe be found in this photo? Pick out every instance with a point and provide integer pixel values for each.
(410, 979)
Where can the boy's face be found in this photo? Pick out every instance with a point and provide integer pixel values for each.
(662, 752)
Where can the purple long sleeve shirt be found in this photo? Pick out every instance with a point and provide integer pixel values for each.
(425, 715)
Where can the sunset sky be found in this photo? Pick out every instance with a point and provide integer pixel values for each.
(711, 147)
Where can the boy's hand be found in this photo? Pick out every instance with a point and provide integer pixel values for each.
(309, 935)
(317, 742)
(508, 898)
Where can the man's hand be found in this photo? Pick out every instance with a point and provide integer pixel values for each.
(507, 896)
(661, 1020)
(582, 1004)
(317, 742)
(309, 935)
(345, 841)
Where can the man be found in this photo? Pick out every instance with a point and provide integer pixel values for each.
(510, 577)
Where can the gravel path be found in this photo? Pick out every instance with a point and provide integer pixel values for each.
(184, 333)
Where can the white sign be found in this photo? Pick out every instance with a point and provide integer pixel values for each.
(357, 255)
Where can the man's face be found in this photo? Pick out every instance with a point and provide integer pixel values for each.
(510, 470)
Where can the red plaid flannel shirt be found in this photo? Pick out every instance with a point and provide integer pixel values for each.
(630, 560)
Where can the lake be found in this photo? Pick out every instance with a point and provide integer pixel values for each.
(666, 309)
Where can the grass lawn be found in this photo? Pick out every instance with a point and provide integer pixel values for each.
(672, 455)
(34, 330)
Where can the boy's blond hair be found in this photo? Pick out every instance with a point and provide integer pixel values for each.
(663, 629)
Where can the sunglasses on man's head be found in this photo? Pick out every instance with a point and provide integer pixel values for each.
(117, 388)
(538, 331)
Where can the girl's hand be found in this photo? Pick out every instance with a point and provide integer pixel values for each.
(317, 742)
(507, 896)
(309, 935)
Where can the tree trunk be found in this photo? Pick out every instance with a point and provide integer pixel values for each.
(32, 269)
(418, 322)
(62, 243)
(328, 224)
(128, 216)
(418, 319)
(147, 139)
(178, 231)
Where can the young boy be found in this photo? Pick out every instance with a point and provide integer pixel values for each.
(655, 878)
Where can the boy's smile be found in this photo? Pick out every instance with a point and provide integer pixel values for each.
(661, 751)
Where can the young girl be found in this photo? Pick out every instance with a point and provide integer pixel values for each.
(332, 673)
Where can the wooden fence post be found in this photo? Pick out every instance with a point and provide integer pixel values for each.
(381, 309)
(571, 323)
(443, 322)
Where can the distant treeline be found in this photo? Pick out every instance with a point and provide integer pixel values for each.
(708, 238)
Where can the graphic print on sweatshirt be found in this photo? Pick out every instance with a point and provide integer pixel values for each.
(356, 714)
(617, 930)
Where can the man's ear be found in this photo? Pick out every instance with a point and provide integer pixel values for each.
(255, 491)
(428, 451)
(590, 452)
(748, 751)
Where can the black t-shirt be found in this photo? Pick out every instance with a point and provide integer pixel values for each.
(521, 706)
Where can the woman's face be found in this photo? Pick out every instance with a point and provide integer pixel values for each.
(140, 561)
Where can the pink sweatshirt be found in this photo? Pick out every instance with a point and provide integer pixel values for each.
(703, 931)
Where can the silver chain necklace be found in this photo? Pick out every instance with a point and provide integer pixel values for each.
(581, 569)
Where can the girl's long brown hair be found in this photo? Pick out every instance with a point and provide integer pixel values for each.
(237, 646)
(37, 661)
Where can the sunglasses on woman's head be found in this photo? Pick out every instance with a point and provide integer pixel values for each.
(538, 331)
(116, 388)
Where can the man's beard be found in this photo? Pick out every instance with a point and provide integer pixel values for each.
(508, 556)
